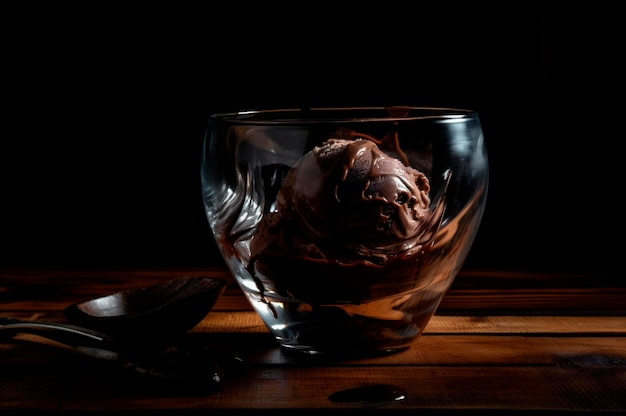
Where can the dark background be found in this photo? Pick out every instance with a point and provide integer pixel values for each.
(105, 111)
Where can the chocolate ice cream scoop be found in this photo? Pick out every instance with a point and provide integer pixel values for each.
(347, 200)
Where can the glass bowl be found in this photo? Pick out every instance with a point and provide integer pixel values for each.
(345, 227)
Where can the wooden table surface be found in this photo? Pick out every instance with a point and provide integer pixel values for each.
(501, 342)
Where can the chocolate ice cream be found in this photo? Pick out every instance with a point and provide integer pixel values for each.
(345, 211)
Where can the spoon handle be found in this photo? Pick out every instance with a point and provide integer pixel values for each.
(82, 340)
(180, 368)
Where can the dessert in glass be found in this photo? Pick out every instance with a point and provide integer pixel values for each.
(345, 227)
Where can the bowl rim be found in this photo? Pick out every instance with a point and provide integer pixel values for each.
(331, 115)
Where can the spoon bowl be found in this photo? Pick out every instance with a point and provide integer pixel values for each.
(152, 312)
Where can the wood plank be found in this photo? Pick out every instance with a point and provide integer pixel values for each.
(578, 325)
(444, 387)
(435, 350)
(469, 372)
(493, 370)
(536, 301)
(604, 301)
(218, 321)
(473, 291)
(460, 349)
(248, 321)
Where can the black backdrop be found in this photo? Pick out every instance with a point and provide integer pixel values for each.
(105, 112)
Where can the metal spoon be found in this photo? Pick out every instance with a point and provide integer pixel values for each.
(137, 323)
(153, 312)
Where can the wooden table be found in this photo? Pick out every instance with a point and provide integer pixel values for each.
(501, 342)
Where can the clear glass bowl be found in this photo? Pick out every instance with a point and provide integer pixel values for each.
(345, 227)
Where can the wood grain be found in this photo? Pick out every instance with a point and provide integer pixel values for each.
(511, 343)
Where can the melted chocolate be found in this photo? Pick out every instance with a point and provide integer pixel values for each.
(369, 393)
